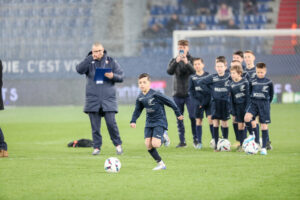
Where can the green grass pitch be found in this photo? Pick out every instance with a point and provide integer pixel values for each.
(40, 166)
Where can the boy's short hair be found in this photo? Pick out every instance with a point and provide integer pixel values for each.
(239, 53)
(261, 65)
(143, 75)
(183, 42)
(237, 68)
(194, 59)
(249, 51)
(221, 59)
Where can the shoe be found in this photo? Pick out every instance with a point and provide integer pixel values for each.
(167, 141)
(269, 146)
(258, 147)
(199, 146)
(119, 150)
(263, 151)
(236, 144)
(216, 150)
(239, 149)
(96, 152)
(160, 166)
(5, 153)
(1, 153)
(195, 143)
(181, 144)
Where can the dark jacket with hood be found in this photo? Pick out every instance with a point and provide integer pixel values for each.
(100, 96)
(182, 72)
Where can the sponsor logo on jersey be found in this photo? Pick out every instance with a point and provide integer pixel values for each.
(198, 88)
(259, 95)
(220, 89)
(239, 95)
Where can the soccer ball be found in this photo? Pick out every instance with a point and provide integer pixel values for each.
(251, 148)
(223, 145)
(112, 165)
(212, 144)
(246, 141)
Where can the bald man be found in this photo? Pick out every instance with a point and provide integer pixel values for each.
(101, 98)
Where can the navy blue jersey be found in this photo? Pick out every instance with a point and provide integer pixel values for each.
(261, 89)
(219, 86)
(250, 74)
(197, 89)
(240, 91)
(154, 102)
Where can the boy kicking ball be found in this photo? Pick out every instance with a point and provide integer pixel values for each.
(156, 121)
(261, 95)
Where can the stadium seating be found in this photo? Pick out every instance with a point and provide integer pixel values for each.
(161, 14)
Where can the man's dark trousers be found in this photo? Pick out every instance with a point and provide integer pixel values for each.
(3, 144)
(95, 119)
(180, 101)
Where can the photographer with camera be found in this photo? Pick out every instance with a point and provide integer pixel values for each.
(181, 67)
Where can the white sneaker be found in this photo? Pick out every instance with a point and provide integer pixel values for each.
(263, 151)
(160, 166)
(96, 152)
(119, 149)
(167, 141)
(199, 146)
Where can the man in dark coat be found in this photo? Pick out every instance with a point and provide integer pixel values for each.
(181, 67)
(3, 145)
(100, 96)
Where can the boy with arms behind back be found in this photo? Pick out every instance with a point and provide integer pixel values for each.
(220, 106)
(201, 98)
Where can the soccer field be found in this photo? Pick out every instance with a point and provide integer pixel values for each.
(41, 166)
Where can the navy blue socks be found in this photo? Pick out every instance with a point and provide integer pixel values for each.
(153, 152)
(216, 135)
(265, 135)
(211, 127)
(236, 131)
(225, 132)
(199, 133)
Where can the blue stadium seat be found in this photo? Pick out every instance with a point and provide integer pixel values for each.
(249, 19)
(261, 19)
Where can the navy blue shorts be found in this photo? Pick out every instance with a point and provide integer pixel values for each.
(199, 112)
(156, 132)
(220, 109)
(239, 112)
(260, 108)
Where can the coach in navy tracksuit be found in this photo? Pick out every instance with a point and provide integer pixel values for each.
(101, 96)
(3, 145)
(181, 67)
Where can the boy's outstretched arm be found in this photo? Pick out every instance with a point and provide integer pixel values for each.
(137, 112)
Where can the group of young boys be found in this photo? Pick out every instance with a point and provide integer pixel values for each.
(241, 91)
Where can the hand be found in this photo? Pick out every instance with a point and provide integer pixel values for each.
(178, 58)
(200, 106)
(180, 117)
(109, 75)
(132, 125)
(185, 60)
